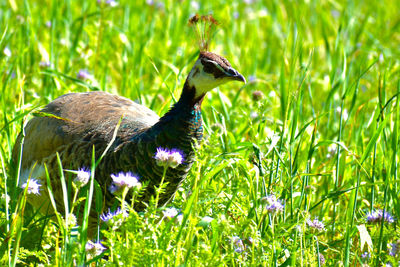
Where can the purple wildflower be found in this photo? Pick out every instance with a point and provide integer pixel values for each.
(33, 186)
(82, 177)
(394, 249)
(44, 64)
(252, 78)
(335, 13)
(316, 224)
(113, 188)
(195, 5)
(272, 204)
(365, 256)
(110, 3)
(84, 75)
(168, 158)
(321, 259)
(376, 216)
(160, 5)
(175, 158)
(237, 244)
(122, 180)
(94, 249)
(48, 24)
(161, 156)
(107, 217)
(249, 2)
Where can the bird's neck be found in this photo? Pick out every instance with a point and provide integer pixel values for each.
(182, 124)
(180, 128)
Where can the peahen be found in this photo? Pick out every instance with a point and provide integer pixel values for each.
(75, 123)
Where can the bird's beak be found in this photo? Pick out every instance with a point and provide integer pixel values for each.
(235, 75)
(240, 77)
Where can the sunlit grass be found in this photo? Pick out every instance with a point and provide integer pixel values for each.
(323, 136)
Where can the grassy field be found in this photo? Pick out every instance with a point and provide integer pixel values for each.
(317, 126)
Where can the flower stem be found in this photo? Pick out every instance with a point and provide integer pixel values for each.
(159, 188)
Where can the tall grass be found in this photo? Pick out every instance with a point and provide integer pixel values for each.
(322, 136)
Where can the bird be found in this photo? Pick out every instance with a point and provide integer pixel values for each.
(76, 123)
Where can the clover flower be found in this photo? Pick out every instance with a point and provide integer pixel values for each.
(168, 158)
(94, 249)
(377, 216)
(170, 212)
(82, 177)
(33, 186)
(316, 224)
(272, 204)
(124, 180)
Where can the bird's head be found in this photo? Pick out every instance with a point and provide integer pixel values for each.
(210, 71)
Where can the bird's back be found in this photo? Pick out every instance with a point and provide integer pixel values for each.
(81, 117)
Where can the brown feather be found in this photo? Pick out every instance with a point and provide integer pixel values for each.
(85, 114)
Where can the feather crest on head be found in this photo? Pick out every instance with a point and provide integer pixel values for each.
(204, 27)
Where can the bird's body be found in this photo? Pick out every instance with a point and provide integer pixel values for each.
(74, 124)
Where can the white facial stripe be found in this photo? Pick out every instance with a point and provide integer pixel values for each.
(220, 68)
(203, 81)
(216, 65)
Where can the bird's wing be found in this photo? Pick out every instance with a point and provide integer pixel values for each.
(78, 117)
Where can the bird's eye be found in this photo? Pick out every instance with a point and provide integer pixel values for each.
(232, 72)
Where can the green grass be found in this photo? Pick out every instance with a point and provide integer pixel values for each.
(324, 137)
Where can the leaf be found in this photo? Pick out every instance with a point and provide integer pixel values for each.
(373, 140)
(364, 237)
